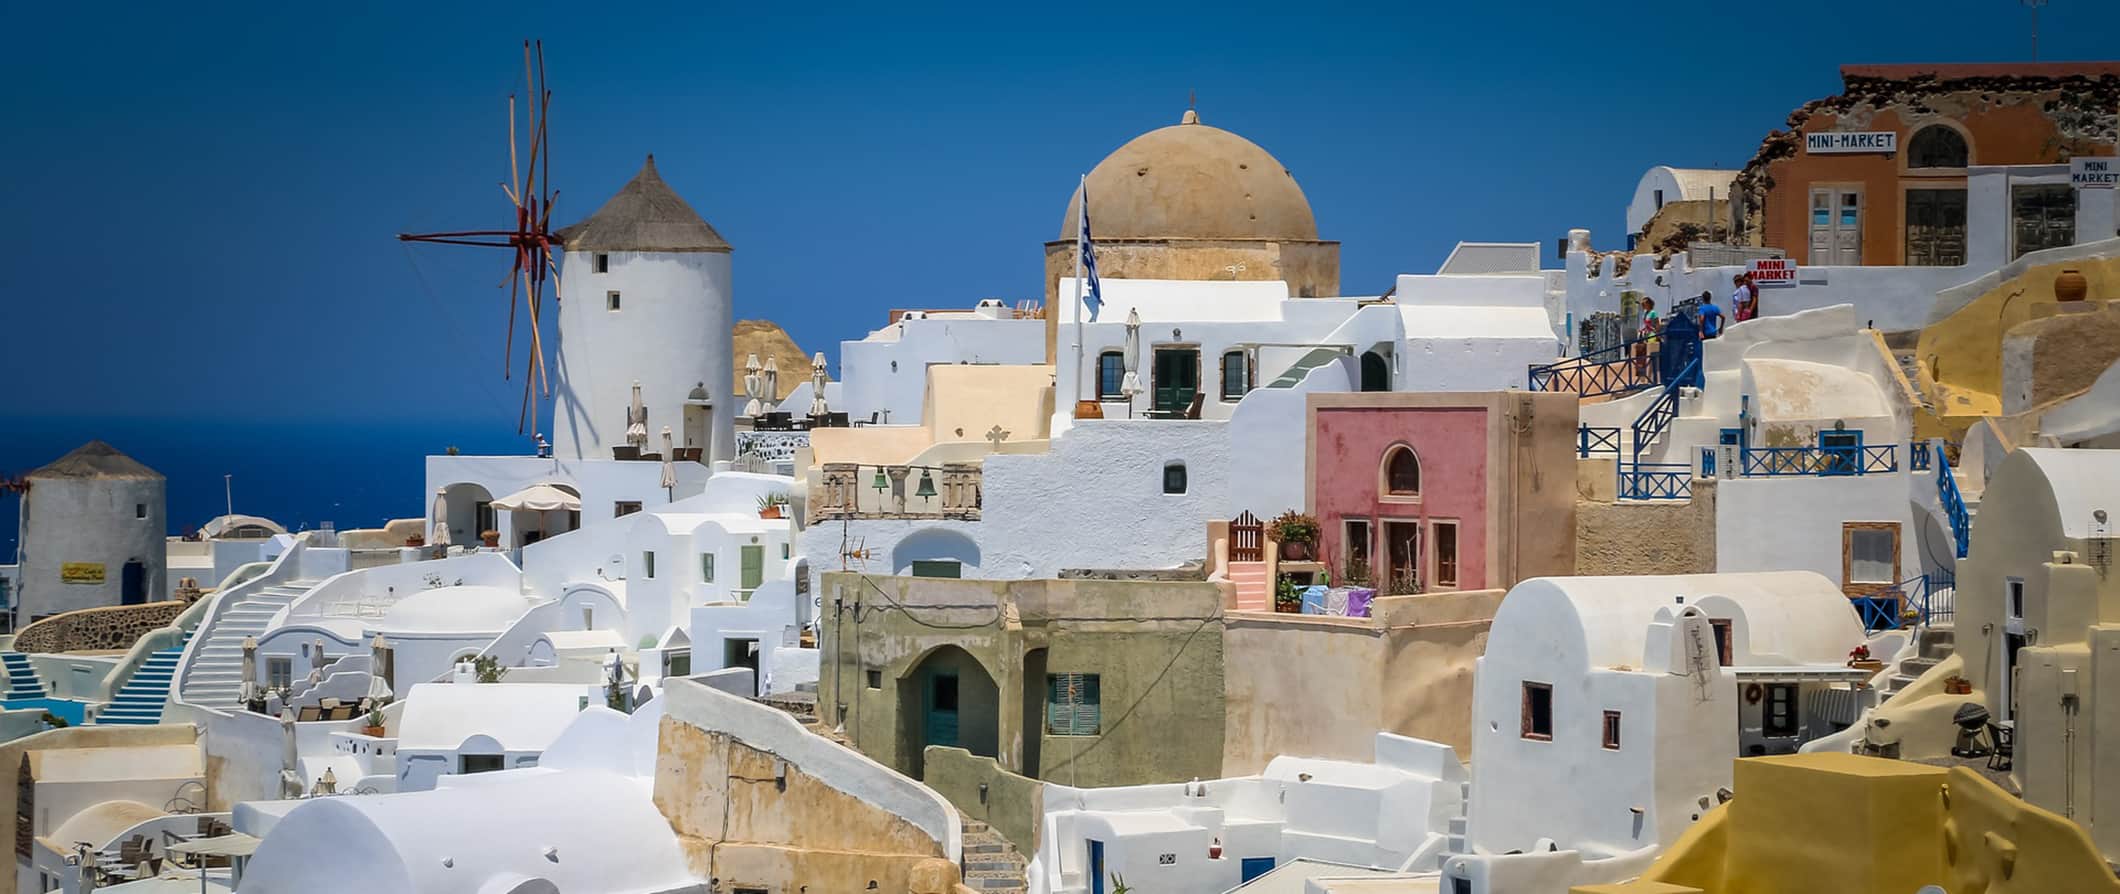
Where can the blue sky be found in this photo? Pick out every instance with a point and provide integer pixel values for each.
(199, 201)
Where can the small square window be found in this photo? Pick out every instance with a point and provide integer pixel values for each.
(1612, 730)
(139, 510)
(875, 679)
(611, 300)
(1538, 711)
(1174, 478)
(603, 263)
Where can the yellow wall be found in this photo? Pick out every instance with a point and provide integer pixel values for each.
(1961, 356)
(1838, 822)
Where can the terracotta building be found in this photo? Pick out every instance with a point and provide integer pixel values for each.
(1878, 175)
(1194, 202)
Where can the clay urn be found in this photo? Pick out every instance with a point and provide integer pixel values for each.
(1088, 409)
(2070, 285)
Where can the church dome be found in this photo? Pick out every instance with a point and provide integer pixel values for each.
(1192, 181)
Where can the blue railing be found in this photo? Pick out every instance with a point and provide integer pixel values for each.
(1707, 462)
(1651, 424)
(1591, 439)
(1655, 481)
(1918, 456)
(1953, 503)
(1932, 598)
(1613, 370)
(1853, 460)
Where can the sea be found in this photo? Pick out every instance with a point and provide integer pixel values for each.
(354, 474)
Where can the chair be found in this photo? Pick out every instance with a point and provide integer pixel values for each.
(309, 714)
(2005, 739)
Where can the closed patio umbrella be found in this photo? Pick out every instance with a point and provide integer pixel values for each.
(1130, 385)
(669, 464)
(817, 382)
(753, 386)
(250, 669)
(441, 518)
(637, 420)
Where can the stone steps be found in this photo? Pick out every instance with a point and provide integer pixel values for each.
(990, 863)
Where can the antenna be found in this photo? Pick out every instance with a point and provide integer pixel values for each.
(2034, 5)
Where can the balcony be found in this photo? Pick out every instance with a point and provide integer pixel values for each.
(864, 490)
(1769, 462)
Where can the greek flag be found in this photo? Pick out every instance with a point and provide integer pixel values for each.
(1087, 250)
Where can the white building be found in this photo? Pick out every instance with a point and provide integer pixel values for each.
(1664, 184)
(1209, 837)
(1606, 712)
(647, 300)
(466, 728)
(92, 528)
(883, 376)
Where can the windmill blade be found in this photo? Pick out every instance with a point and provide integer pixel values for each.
(508, 353)
(545, 111)
(509, 187)
(537, 338)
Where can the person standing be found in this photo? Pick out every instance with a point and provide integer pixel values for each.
(1744, 302)
(1645, 339)
(1711, 317)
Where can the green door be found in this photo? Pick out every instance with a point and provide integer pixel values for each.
(754, 567)
(942, 710)
(1177, 375)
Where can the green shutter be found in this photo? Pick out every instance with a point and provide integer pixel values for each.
(1072, 704)
(754, 567)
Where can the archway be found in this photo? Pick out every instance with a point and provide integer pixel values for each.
(468, 508)
(1376, 372)
(132, 588)
(935, 552)
(948, 698)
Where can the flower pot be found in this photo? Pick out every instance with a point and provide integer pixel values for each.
(1088, 409)
(769, 512)
(375, 731)
(1958, 686)
(2070, 285)
(1295, 551)
(492, 539)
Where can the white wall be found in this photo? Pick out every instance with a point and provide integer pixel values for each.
(89, 520)
(672, 332)
(1794, 523)
(885, 374)
(602, 483)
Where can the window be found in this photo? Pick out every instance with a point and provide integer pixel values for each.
(784, 550)
(2042, 215)
(1354, 547)
(1725, 644)
(706, 567)
(1402, 556)
(1538, 711)
(1236, 376)
(1612, 730)
(279, 673)
(1111, 376)
(677, 664)
(139, 510)
(647, 565)
(480, 763)
(624, 507)
(938, 568)
(1402, 472)
(1174, 478)
(1446, 554)
(1869, 555)
(1659, 199)
(1780, 710)
(603, 263)
(752, 558)
(875, 679)
(1071, 705)
(1937, 146)
(611, 300)
(2016, 602)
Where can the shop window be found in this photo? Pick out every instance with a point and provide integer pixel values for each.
(1538, 711)
(1111, 376)
(2042, 215)
(1612, 730)
(1402, 472)
(1072, 705)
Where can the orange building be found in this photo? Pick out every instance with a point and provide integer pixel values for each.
(1878, 174)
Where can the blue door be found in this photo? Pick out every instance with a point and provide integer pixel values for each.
(1096, 866)
(1253, 867)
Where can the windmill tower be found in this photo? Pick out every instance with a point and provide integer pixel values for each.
(648, 301)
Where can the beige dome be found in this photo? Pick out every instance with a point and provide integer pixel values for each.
(1192, 181)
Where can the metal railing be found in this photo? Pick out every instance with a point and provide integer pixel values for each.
(1953, 503)
(1613, 370)
(1854, 460)
(1654, 420)
(1918, 454)
(1590, 439)
(1655, 481)
(1707, 462)
(1923, 599)
(865, 490)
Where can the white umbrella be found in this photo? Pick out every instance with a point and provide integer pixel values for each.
(817, 382)
(669, 463)
(250, 668)
(441, 518)
(753, 386)
(770, 379)
(1130, 385)
(637, 420)
(316, 663)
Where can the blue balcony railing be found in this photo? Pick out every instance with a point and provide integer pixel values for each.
(1924, 599)
(1655, 481)
(1596, 440)
(1707, 462)
(1613, 370)
(1822, 461)
(1918, 456)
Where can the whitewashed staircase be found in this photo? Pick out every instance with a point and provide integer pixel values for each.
(215, 678)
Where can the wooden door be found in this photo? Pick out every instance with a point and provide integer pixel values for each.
(1935, 227)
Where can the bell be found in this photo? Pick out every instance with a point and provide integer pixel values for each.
(882, 484)
(927, 484)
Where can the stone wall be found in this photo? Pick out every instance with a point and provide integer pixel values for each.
(1012, 804)
(1647, 536)
(2046, 359)
(108, 629)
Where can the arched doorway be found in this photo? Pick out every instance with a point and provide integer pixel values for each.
(948, 699)
(469, 511)
(1033, 712)
(1376, 372)
(133, 583)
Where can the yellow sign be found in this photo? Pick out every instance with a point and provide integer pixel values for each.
(81, 572)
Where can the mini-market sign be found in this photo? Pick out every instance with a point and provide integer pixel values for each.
(1850, 142)
(2094, 173)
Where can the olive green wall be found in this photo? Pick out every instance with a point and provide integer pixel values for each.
(1012, 804)
(1156, 646)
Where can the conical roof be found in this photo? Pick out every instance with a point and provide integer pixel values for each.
(96, 459)
(646, 215)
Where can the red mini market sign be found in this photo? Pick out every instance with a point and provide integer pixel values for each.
(1771, 271)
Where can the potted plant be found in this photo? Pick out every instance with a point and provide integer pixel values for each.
(1957, 685)
(492, 539)
(375, 723)
(772, 505)
(1355, 573)
(416, 541)
(1297, 534)
(1859, 658)
(1287, 597)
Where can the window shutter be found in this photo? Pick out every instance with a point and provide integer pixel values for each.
(1072, 704)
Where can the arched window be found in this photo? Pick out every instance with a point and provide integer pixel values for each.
(1402, 472)
(1937, 146)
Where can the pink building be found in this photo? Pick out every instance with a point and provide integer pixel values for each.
(1444, 491)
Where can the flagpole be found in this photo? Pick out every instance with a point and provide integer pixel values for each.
(1081, 203)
